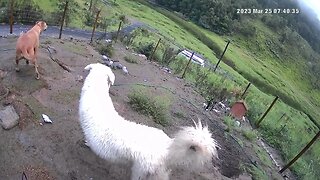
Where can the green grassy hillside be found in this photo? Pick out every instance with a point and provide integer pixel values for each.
(252, 59)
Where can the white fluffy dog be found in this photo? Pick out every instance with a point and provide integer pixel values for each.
(152, 152)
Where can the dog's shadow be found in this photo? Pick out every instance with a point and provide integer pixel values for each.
(100, 167)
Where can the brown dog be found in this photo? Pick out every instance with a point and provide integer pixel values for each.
(28, 44)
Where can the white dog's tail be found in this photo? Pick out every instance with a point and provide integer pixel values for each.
(192, 147)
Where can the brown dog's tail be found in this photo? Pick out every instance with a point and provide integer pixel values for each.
(27, 54)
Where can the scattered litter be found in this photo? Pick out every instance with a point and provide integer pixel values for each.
(217, 111)
(221, 105)
(109, 63)
(167, 70)
(237, 123)
(124, 69)
(204, 105)
(108, 40)
(127, 47)
(41, 124)
(104, 57)
(143, 56)
(118, 65)
(145, 80)
(8, 117)
(46, 118)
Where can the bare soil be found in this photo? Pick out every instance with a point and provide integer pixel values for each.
(57, 150)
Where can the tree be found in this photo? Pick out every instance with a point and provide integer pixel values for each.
(72, 11)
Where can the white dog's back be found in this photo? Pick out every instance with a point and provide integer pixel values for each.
(113, 138)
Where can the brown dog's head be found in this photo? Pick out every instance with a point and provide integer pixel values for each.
(43, 25)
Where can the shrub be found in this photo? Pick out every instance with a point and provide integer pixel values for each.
(131, 59)
(89, 19)
(229, 122)
(145, 49)
(149, 106)
(106, 49)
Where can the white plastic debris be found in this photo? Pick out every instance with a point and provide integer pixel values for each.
(216, 111)
(108, 40)
(143, 56)
(118, 66)
(109, 63)
(221, 105)
(204, 105)
(46, 118)
(124, 69)
(237, 123)
(104, 57)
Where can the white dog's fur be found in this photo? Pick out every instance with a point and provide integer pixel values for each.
(152, 152)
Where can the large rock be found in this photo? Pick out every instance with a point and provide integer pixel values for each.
(8, 117)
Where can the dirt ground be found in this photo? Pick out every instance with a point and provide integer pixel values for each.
(57, 150)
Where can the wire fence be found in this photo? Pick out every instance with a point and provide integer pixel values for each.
(26, 12)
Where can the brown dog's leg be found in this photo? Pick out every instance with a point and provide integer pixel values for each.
(35, 63)
(18, 57)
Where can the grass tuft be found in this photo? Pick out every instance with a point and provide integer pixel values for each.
(149, 106)
(249, 134)
(131, 59)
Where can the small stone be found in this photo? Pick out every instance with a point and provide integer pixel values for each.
(79, 78)
(8, 117)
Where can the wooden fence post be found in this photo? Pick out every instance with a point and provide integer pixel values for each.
(63, 17)
(244, 92)
(267, 111)
(185, 69)
(11, 16)
(224, 51)
(301, 152)
(154, 50)
(95, 25)
(118, 31)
